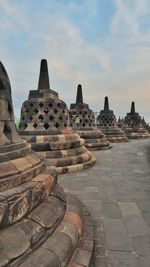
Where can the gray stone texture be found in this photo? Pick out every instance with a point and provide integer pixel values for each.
(117, 192)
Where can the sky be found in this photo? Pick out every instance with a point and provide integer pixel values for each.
(102, 44)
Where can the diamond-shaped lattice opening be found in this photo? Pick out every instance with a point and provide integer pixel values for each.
(22, 118)
(31, 105)
(46, 125)
(59, 105)
(85, 113)
(36, 110)
(46, 110)
(50, 105)
(83, 124)
(61, 118)
(40, 118)
(30, 118)
(90, 124)
(41, 104)
(25, 125)
(57, 125)
(51, 118)
(65, 125)
(55, 110)
(64, 111)
(35, 125)
(80, 112)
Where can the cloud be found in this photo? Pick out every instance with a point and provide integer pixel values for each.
(115, 64)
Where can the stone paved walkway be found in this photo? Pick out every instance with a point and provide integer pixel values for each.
(117, 190)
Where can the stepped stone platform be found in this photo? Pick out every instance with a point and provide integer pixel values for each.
(134, 126)
(107, 122)
(44, 124)
(83, 122)
(40, 225)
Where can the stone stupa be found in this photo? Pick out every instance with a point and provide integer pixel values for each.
(44, 123)
(134, 125)
(39, 224)
(107, 122)
(82, 120)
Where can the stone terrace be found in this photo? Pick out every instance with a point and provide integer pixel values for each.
(117, 190)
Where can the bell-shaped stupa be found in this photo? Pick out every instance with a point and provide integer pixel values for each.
(107, 122)
(39, 224)
(82, 120)
(44, 123)
(134, 125)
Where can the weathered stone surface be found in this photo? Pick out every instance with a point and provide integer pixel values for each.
(48, 212)
(82, 257)
(82, 120)
(116, 235)
(24, 198)
(44, 124)
(13, 243)
(63, 249)
(35, 229)
(70, 230)
(42, 258)
(122, 259)
(107, 122)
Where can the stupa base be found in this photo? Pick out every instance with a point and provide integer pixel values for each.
(137, 134)
(53, 234)
(115, 135)
(64, 151)
(94, 140)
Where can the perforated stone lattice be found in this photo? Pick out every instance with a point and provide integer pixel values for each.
(133, 119)
(81, 118)
(106, 120)
(43, 115)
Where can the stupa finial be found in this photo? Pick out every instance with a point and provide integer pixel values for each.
(79, 98)
(132, 108)
(44, 76)
(106, 103)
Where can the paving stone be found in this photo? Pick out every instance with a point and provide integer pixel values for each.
(133, 219)
(121, 175)
(107, 194)
(144, 261)
(101, 262)
(116, 235)
(122, 259)
(111, 210)
(141, 245)
(146, 216)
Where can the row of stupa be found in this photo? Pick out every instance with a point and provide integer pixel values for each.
(133, 126)
(40, 225)
(44, 115)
